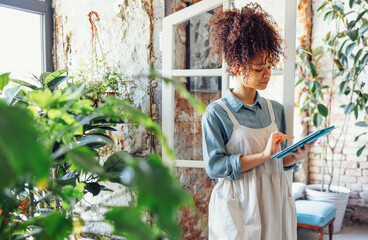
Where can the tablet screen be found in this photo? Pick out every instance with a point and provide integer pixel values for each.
(308, 139)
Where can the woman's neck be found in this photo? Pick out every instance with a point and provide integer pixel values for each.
(245, 94)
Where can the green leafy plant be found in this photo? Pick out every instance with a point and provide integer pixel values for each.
(347, 47)
(50, 138)
(100, 80)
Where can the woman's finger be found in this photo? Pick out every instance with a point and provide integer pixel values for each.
(286, 136)
(282, 136)
(307, 146)
(299, 149)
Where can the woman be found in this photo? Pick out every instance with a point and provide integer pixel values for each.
(242, 130)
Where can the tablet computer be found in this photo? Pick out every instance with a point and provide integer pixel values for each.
(308, 139)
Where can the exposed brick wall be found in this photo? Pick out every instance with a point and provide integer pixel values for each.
(188, 129)
(194, 223)
(188, 145)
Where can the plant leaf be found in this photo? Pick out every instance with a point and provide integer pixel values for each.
(115, 164)
(338, 64)
(349, 108)
(364, 59)
(57, 226)
(4, 80)
(86, 160)
(363, 29)
(76, 89)
(349, 49)
(361, 124)
(357, 56)
(305, 50)
(93, 187)
(343, 85)
(53, 75)
(68, 179)
(322, 109)
(317, 119)
(153, 177)
(95, 140)
(54, 83)
(338, 6)
(359, 152)
(351, 3)
(357, 137)
(317, 51)
(353, 34)
(313, 69)
(127, 222)
(10, 93)
(322, 6)
(20, 147)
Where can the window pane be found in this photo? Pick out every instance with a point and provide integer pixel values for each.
(192, 43)
(204, 84)
(20, 42)
(188, 128)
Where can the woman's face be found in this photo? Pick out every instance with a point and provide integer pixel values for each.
(259, 74)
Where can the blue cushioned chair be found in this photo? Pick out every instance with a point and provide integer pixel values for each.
(315, 215)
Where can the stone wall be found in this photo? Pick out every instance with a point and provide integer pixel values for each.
(121, 24)
(125, 33)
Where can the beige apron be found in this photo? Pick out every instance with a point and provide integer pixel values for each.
(259, 204)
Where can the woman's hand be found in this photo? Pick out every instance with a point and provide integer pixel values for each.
(274, 142)
(299, 154)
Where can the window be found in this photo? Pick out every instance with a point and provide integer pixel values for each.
(26, 42)
(187, 149)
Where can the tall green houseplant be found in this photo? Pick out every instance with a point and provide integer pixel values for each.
(347, 47)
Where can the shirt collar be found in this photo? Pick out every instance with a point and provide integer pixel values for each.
(236, 104)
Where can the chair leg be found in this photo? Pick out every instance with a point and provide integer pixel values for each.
(330, 230)
(320, 234)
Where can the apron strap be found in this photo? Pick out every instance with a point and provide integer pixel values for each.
(229, 113)
(270, 110)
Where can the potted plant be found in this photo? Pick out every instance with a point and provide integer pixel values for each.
(50, 129)
(316, 100)
(100, 79)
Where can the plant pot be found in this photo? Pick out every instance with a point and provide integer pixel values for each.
(99, 99)
(338, 197)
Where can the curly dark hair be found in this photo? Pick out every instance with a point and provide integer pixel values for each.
(241, 35)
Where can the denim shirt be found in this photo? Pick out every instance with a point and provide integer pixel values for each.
(217, 129)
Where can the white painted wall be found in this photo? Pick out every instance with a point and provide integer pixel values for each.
(124, 33)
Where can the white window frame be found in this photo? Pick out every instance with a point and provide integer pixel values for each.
(168, 59)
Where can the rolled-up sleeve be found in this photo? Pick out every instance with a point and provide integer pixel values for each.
(217, 163)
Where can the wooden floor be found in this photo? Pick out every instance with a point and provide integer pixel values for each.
(346, 233)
